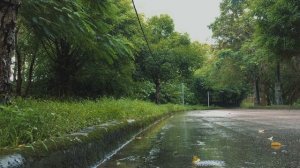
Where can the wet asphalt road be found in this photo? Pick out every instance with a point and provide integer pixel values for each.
(220, 138)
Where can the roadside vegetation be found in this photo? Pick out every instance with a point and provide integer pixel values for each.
(248, 104)
(26, 121)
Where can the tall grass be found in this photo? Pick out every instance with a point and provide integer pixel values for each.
(26, 121)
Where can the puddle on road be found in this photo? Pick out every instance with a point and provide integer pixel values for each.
(173, 143)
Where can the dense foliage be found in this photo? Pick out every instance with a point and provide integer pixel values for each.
(91, 49)
(257, 52)
(71, 49)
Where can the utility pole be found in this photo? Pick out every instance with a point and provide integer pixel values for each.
(182, 93)
(208, 98)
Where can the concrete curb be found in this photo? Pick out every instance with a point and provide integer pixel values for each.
(82, 149)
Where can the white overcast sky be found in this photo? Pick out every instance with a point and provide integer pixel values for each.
(191, 16)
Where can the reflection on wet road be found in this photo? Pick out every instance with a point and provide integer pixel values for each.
(219, 138)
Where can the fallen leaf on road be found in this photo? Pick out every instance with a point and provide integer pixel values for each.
(195, 160)
(276, 145)
(271, 138)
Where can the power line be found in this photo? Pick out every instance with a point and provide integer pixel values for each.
(140, 23)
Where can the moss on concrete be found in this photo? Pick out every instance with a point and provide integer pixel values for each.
(81, 149)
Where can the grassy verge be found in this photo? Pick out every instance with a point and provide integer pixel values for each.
(249, 105)
(27, 121)
(275, 107)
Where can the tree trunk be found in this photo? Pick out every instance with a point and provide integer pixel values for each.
(65, 68)
(30, 74)
(278, 90)
(264, 95)
(8, 19)
(256, 92)
(19, 73)
(15, 70)
(157, 91)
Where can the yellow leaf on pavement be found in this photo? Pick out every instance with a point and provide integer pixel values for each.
(276, 145)
(195, 160)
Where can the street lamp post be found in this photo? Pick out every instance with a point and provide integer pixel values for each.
(208, 98)
(182, 92)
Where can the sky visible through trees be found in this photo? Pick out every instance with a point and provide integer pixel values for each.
(184, 14)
